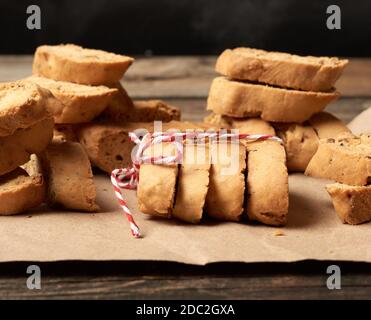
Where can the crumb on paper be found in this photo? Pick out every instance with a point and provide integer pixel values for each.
(279, 233)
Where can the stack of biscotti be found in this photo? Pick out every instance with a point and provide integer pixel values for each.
(275, 86)
(347, 160)
(201, 182)
(26, 128)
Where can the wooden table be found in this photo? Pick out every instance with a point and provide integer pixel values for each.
(185, 81)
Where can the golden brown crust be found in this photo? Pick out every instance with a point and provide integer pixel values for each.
(281, 69)
(345, 159)
(352, 204)
(16, 149)
(227, 173)
(20, 191)
(70, 179)
(156, 188)
(22, 104)
(79, 103)
(193, 182)
(267, 183)
(237, 99)
(79, 65)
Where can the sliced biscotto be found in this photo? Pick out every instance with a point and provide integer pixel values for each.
(352, 203)
(345, 159)
(22, 104)
(68, 62)
(16, 149)
(193, 182)
(226, 194)
(79, 103)
(21, 191)
(70, 179)
(301, 143)
(281, 69)
(267, 183)
(238, 99)
(156, 188)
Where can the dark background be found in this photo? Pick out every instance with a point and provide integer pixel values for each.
(166, 27)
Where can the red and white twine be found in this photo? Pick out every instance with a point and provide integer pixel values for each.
(128, 178)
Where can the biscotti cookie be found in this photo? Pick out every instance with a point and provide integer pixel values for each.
(352, 203)
(21, 190)
(22, 104)
(267, 181)
(193, 183)
(69, 175)
(68, 62)
(327, 125)
(120, 106)
(226, 194)
(345, 159)
(16, 149)
(238, 99)
(156, 188)
(281, 69)
(300, 142)
(79, 103)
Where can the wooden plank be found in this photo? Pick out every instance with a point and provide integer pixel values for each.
(187, 77)
(198, 286)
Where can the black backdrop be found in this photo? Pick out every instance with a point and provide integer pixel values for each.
(189, 27)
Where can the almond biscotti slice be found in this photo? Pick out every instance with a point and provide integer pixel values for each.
(69, 175)
(226, 194)
(281, 69)
(156, 188)
(22, 104)
(193, 183)
(240, 99)
(345, 159)
(267, 183)
(352, 203)
(79, 103)
(16, 149)
(72, 63)
(21, 191)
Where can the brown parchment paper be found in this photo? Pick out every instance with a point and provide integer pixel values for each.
(313, 232)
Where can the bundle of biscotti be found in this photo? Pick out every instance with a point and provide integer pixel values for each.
(200, 183)
(347, 160)
(300, 140)
(275, 86)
